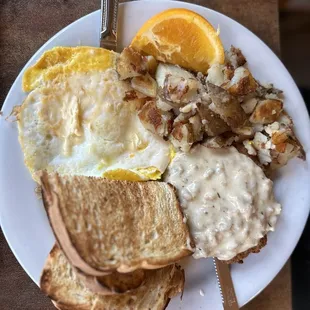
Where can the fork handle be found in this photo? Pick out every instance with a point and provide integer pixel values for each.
(109, 12)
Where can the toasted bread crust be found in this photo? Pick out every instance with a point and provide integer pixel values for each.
(68, 292)
(46, 274)
(114, 283)
(56, 221)
(152, 203)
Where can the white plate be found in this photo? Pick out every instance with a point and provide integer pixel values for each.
(23, 219)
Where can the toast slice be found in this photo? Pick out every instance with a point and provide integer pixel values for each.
(107, 225)
(60, 282)
(113, 283)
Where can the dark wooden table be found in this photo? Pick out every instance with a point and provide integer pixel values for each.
(24, 26)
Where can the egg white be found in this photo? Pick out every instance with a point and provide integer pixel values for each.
(79, 124)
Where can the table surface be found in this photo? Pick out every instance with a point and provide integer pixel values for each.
(25, 26)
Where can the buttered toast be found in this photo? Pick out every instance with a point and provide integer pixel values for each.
(106, 225)
(60, 282)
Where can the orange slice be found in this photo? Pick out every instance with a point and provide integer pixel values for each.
(180, 37)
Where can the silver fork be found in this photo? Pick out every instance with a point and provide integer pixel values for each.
(108, 31)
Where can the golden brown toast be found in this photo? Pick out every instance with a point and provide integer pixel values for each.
(68, 292)
(107, 225)
(113, 283)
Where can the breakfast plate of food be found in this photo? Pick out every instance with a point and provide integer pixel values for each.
(124, 173)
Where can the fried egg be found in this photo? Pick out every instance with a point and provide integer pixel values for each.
(65, 60)
(78, 122)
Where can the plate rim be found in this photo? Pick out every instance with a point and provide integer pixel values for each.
(133, 3)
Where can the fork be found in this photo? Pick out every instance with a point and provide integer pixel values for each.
(108, 31)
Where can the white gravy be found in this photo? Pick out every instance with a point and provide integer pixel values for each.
(226, 198)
